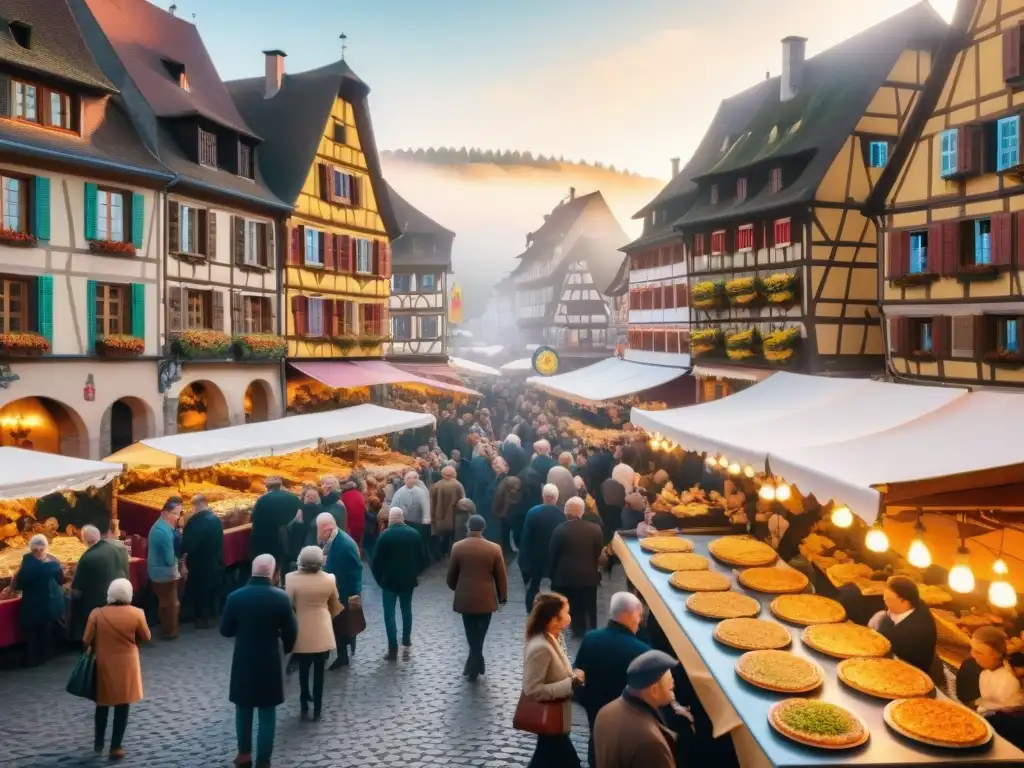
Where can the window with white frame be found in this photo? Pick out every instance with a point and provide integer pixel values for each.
(428, 283)
(313, 255)
(253, 242)
(25, 105)
(315, 317)
(14, 208)
(188, 242)
(430, 327)
(401, 284)
(109, 215)
(364, 256)
(947, 152)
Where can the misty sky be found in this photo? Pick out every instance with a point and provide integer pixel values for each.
(631, 84)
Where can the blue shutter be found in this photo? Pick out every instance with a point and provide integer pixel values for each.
(44, 307)
(138, 218)
(90, 211)
(90, 317)
(1012, 343)
(139, 310)
(42, 212)
(879, 154)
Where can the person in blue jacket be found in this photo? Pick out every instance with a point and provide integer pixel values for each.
(342, 560)
(39, 579)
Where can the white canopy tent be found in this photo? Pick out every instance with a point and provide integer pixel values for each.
(522, 365)
(788, 411)
(268, 438)
(486, 351)
(31, 474)
(608, 379)
(470, 368)
(973, 442)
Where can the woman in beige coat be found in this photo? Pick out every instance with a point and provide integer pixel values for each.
(113, 632)
(548, 676)
(314, 595)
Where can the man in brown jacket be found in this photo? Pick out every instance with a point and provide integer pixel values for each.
(444, 495)
(476, 572)
(629, 732)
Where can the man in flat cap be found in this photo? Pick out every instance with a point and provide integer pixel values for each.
(630, 732)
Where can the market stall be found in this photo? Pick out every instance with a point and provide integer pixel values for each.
(607, 380)
(743, 709)
(469, 368)
(520, 367)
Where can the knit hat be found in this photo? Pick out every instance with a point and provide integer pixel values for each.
(647, 669)
(396, 515)
(476, 524)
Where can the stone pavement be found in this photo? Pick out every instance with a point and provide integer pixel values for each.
(418, 713)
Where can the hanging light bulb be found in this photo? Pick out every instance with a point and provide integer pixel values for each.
(767, 492)
(842, 517)
(1001, 594)
(734, 469)
(711, 461)
(876, 539)
(748, 471)
(918, 554)
(723, 462)
(783, 492)
(961, 577)
(653, 442)
(999, 566)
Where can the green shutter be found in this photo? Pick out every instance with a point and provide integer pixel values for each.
(42, 198)
(138, 221)
(90, 316)
(139, 310)
(90, 211)
(44, 307)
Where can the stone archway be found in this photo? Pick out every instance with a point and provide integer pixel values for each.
(258, 402)
(126, 421)
(44, 424)
(202, 406)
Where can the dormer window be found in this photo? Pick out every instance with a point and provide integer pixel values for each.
(177, 72)
(246, 166)
(22, 33)
(741, 189)
(714, 194)
(775, 180)
(26, 99)
(183, 82)
(37, 104)
(207, 148)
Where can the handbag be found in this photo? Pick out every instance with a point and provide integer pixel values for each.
(543, 718)
(351, 621)
(82, 682)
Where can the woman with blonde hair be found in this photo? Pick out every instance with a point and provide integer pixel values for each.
(114, 633)
(548, 677)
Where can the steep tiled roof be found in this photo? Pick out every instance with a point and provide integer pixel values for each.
(292, 123)
(56, 47)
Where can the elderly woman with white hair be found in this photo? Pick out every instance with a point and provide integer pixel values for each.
(39, 580)
(542, 461)
(114, 633)
(314, 595)
(576, 547)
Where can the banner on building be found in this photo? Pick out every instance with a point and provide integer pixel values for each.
(455, 305)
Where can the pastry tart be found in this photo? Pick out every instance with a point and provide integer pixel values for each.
(752, 634)
(818, 723)
(700, 581)
(679, 561)
(884, 678)
(808, 609)
(744, 551)
(846, 640)
(666, 544)
(722, 605)
(937, 722)
(773, 580)
(779, 671)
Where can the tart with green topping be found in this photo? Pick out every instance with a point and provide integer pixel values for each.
(817, 724)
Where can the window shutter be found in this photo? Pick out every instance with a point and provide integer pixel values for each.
(1002, 239)
(357, 191)
(5, 96)
(968, 147)
(44, 307)
(352, 253)
(217, 303)
(42, 208)
(330, 252)
(139, 310)
(950, 244)
(90, 317)
(899, 254)
(299, 314)
(237, 321)
(211, 234)
(1012, 65)
(344, 253)
(173, 226)
(375, 258)
(328, 305)
(385, 260)
(175, 306)
(982, 338)
(321, 240)
(270, 310)
(237, 240)
(267, 256)
(942, 336)
(897, 330)
(138, 218)
(90, 211)
(295, 252)
(325, 181)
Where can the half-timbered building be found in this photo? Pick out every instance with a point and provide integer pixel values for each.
(80, 246)
(953, 203)
(421, 260)
(219, 279)
(782, 261)
(563, 276)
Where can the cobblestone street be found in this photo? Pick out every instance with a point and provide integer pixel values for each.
(412, 714)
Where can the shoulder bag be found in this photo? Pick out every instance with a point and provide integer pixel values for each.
(543, 718)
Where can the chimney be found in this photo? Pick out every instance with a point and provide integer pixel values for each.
(275, 72)
(675, 167)
(572, 193)
(793, 51)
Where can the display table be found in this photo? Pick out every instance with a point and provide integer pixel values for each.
(135, 519)
(236, 545)
(10, 632)
(739, 709)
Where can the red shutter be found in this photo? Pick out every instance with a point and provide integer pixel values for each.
(950, 263)
(898, 327)
(1002, 239)
(968, 161)
(936, 254)
(328, 315)
(298, 242)
(356, 185)
(352, 253)
(299, 313)
(942, 336)
(375, 259)
(899, 254)
(1012, 65)
(385, 260)
(324, 173)
(329, 252)
(1018, 257)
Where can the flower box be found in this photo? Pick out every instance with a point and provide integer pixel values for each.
(346, 340)
(120, 345)
(259, 346)
(1004, 358)
(914, 279)
(17, 239)
(202, 344)
(922, 356)
(780, 288)
(743, 291)
(707, 295)
(972, 273)
(373, 340)
(705, 341)
(112, 246)
(23, 345)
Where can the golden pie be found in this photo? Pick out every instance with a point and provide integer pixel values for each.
(808, 609)
(700, 581)
(773, 580)
(666, 544)
(744, 551)
(722, 605)
(779, 671)
(884, 678)
(937, 721)
(846, 640)
(679, 561)
(817, 724)
(752, 634)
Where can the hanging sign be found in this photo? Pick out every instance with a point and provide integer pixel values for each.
(545, 361)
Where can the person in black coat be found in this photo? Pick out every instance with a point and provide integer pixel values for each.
(271, 515)
(599, 468)
(574, 556)
(202, 547)
(514, 455)
(398, 560)
(543, 461)
(260, 618)
(535, 542)
(604, 656)
(908, 624)
(39, 579)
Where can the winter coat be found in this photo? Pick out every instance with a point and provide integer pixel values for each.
(114, 633)
(535, 541)
(629, 734)
(506, 496)
(332, 503)
(202, 543)
(543, 464)
(273, 511)
(476, 572)
(515, 457)
(561, 478)
(314, 597)
(444, 495)
(99, 565)
(575, 549)
(604, 656)
(398, 558)
(355, 509)
(414, 502)
(547, 674)
(344, 563)
(42, 596)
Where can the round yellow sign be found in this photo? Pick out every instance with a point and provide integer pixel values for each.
(545, 361)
